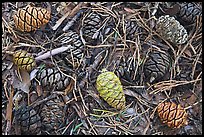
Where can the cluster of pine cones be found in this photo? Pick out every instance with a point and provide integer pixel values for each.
(98, 39)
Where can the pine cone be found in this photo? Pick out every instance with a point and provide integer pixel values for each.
(170, 29)
(73, 39)
(156, 66)
(110, 89)
(24, 60)
(126, 70)
(184, 75)
(28, 120)
(173, 115)
(31, 18)
(188, 13)
(53, 78)
(90, 26)
(52, 115)
(131, 29)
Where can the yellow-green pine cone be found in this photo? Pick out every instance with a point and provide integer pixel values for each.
(24, 60)
(110, 89)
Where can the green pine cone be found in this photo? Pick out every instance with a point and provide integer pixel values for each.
(110, 89)
(24, 60)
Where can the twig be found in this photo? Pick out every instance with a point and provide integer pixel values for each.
(53, 52)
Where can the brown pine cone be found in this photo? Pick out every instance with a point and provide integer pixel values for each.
(52, 115)
(90, 26)
(73, 39)
(127, 70)
(156, 66)
(188, 13)
(52, 78)
(31, 18)
(28, 121)
(173, 115)
(170, 29)
(131, 29)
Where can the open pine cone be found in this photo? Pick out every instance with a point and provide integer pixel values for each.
(90, 27)
(170, 29)
(73, 39)
(52, 78)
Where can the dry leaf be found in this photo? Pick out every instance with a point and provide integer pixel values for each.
(10, 106)
(25, 83)
(66, 7)
(69, 87)
(188, 53)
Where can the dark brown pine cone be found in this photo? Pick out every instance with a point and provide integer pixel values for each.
(131, 29)
(31, 18)
(185, 12)
(52, 115)
(156, 66)
(184, 75)
(76, 46)
(188, 13)
(171, 114)
(52, 78)
(28, 121)
(127, 70)
(90, 27)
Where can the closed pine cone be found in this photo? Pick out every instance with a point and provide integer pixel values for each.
(24, 60)
(52, 115)
(31, 18)
(110, 89)
(28, 120)
(171, 114)
(156, 66)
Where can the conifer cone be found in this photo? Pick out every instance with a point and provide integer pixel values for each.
(110, 89)
(185, 12)
(24, 60)
(131, 29)
(170, 29)
(156, 66)
(171, 114)
(31, 18)
(52, 115)
(52, 78)
(28, 121)
(72, 38)
(127, 70)
(90, 26)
